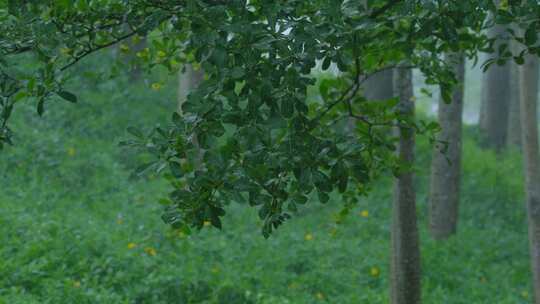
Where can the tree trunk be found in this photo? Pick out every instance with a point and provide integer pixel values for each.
(513, 137)
(379, 86)
(446, 164)
(529, 126)
(405, 264)
(495, 99)
(187, 81)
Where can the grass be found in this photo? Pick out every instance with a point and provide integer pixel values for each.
(76, 229)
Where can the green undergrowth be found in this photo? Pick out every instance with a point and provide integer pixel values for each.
(75, 228)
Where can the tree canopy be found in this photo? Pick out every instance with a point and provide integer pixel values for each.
(264, 142)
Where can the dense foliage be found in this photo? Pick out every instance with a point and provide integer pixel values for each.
(249, 132)
(76, 230)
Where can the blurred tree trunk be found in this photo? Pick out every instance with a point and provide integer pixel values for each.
(495, 98)
(405, 263)
(513, 137)
(529, 126)
(446, 163)
(379, 86)
(189, 79)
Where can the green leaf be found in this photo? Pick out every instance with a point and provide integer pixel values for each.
(323, 197)
(287, 107)
(176, 169)
(67, 96)
(135, 132)
(326, 63)
(531, 34)
(40, 106)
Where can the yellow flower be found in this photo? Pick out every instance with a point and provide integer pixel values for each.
(124, 48)
(364, 213)
(71, 151)
(214, 270)
(333, 231)
(374, 271)
(76, 284)
(293, 285)
(131, 245)
(119, 221)
(319, 296)
(143, 54)
(161, 54)
(156, 86)
(65, 51)
(150, 251)
(525, 294)
(207, 223)
(308, 237)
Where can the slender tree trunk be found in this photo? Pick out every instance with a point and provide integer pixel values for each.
(405, 264)
(495, 99)
(446, 163)
(529, 124)
(379, 86)
(513, 137)
(187, 82)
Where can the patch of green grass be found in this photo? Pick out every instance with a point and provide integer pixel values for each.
(75, 229)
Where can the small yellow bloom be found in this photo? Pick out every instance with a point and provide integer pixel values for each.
(150, 251)
(65, 51)
(119, 221)
(131, 245)
(333, 231)
(143, 54)
(214, 270)
(293, 285)
(525, 294)
(124, 48)
(76, 284)
(207, 223)
(308, 237)
(156, 86)
(374, 271)
(364, 213)
(71, 151)
(161, 54)
(319, 295)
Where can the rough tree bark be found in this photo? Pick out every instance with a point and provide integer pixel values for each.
(446, 163)
(529, 125)
(405, 264)
(495, 98)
